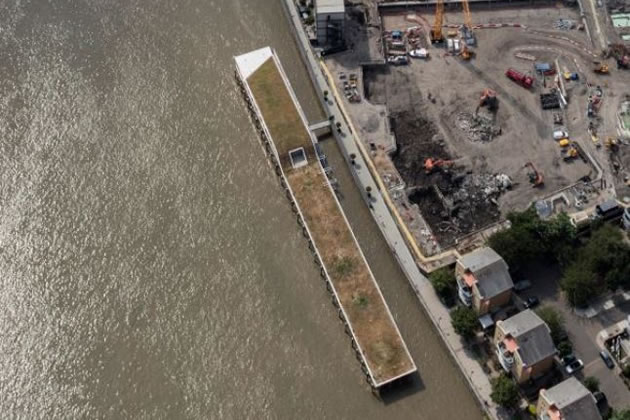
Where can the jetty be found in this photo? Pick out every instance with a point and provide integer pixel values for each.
(293, 150)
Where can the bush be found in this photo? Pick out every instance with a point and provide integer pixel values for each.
(626, 371)
(444, 283)
(591, 383)
(555, 322)
(464, 321)
(504, 392)
(565, 348)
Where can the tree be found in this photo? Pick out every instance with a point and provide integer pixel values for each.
(591, 383)
(558, 236)
(579, 283)
(443, 281)
(504, 392)
(464, 321)
(555, 322)
(602, 263)
(531, 238)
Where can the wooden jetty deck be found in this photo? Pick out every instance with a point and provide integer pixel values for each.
(377, 341)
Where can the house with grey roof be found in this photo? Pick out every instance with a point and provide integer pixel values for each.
(483, 280)
(569, 400)
(524, 346)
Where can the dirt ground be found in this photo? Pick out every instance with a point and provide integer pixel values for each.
(430, 104)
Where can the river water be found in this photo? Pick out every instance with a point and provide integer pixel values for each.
(150, 266)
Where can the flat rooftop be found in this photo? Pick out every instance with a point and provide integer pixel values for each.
(329, 6)
(371, 323)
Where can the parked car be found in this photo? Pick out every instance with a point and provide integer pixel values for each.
(607, 359)
(574, 366)
(560, 134)
(419, 53)
(397, 60)
(602, 404)
(532, 302)
(626, 219)
(569, 358)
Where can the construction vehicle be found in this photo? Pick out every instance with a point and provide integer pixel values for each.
(601, 68)
(564, 143)
(431, 164)
(611, 143)
(535, 178)
(523, 80)
(466, 53)
(621, 53)
(569, 153)
(489, 99)
(436, 32)
(593, 132)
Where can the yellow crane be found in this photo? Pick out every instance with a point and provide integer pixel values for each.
(436, 31)
(467, 16)
(467, 30)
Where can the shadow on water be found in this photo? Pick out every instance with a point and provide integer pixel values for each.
(402, 389)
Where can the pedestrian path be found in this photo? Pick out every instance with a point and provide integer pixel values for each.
(603, 304)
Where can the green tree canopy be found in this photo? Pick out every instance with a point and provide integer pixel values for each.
(602, 263)
(531, 238)
(464, 321)
(504, 392)
(443, 281)
(621, 415)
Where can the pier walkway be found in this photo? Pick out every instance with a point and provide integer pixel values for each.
(376, 338)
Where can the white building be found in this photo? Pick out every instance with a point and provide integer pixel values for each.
(329, 22)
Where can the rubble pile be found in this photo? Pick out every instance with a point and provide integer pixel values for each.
(478, 128)
(460, 203)
(481, 187)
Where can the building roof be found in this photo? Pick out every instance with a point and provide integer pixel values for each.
(490, 271)
(329, 6)
(532, 336)
(573, 400)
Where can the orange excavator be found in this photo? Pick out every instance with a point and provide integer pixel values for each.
(488, 98)
(431, 164)
(535, 178)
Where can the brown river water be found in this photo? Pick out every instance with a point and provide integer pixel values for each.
(150, 266)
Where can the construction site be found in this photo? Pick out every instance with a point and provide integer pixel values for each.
(471, 111)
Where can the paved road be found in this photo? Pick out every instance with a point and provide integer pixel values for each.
(582, 332)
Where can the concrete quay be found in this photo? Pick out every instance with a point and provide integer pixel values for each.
(368, 181)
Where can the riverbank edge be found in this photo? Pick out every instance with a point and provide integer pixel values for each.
(349, 144)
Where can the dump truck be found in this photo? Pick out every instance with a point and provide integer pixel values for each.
(523, 80)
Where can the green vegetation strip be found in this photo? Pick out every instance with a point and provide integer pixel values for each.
(374, 328)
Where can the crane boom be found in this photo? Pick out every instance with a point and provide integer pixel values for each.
(436, 32)
(467, 16)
